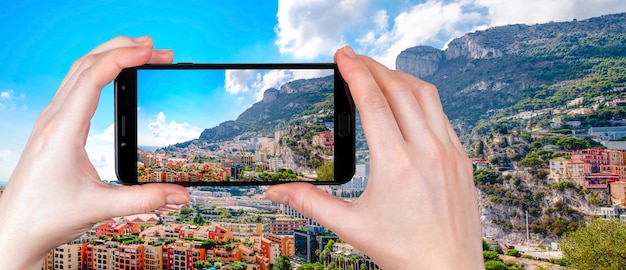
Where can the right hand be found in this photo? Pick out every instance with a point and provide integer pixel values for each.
(420, 209)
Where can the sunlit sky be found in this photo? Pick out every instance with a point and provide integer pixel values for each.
(175, 106)
(41, 39)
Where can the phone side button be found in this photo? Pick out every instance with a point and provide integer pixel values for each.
(344, 124)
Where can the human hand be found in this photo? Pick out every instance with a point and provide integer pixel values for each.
(55, 194)
(419, 209)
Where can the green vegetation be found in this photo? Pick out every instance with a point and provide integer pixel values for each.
(513, 252)
(561, 186)
(326, 171)
(596, 246)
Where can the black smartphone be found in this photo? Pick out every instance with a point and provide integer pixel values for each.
(234, 124)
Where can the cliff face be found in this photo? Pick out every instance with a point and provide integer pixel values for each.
(501, 62)
(486, 78)
(420, 61)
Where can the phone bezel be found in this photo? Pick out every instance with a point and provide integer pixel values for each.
(125, 91)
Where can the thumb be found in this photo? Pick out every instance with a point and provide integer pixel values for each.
(327, 210)
(138, 199)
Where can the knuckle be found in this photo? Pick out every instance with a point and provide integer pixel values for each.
(375, 103)
(119, 39)
(397, 84)
(428, 89)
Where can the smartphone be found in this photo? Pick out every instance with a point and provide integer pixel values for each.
(234, 124)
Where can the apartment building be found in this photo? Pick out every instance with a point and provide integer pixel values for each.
(130, 257)
(285, 244)
(285, 226)
(68, 256)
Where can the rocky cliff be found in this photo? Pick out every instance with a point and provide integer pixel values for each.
(502, 62)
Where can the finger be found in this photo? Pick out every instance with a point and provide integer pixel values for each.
(120, 41)
(130, 200)
(81, 99)
(161, 57)
(327, 210)
(415, 103)
(117, 42)
(381, 130)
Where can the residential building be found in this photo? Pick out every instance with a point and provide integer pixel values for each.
(357, 183)
(285, 244)
(153, 257)
(573, 170)
(100, 255)
(288, 211)
(608, 133)
(243, 230)
(599, 180)
(68, 256)
(617, 191)
(130, 257)
(310, 239)
(285, 226)
(182, 257)
(619, 170)
(121, 227)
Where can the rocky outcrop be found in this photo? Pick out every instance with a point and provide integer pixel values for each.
(471, 48)
(420, 61)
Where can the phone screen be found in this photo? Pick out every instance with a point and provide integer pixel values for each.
(237, 126)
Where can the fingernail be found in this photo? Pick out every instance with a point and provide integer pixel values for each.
(349, 52)
(140, 39)
(176, 199)
(277, 197)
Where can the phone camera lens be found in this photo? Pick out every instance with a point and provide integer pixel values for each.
(123, 87)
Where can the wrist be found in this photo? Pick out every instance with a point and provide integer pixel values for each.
(17, 249)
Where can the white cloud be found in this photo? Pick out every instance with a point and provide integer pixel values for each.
(418, 24)
(159, 133)
(8, 100)
(161, 117)
(502, 12)
(4, 154)
(305, 31)
(236, 81)
(257, 81)
(309, 28)
(107, 135)
(100, 161)
(101, 153)
(7, 95)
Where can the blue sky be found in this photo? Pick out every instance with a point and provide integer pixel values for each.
(177, 105)
(41, 39)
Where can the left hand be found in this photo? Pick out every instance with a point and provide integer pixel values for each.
(55, 194)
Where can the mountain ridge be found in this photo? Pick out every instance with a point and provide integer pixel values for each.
(497, 62)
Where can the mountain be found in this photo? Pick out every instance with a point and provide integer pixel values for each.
(278, 106)
(497, 68)
(498, 85)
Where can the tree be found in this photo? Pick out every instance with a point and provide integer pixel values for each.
(595, 246)
(238, 266)
(326, 171)
(483, 176)
(282, 263)
(532, 162)
(513, 252)
(495, 265)
(572, 143)
(490, 255)
(486, 245)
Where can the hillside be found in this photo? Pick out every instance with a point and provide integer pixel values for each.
(514, 64)
(500, 85)
(296, 99)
